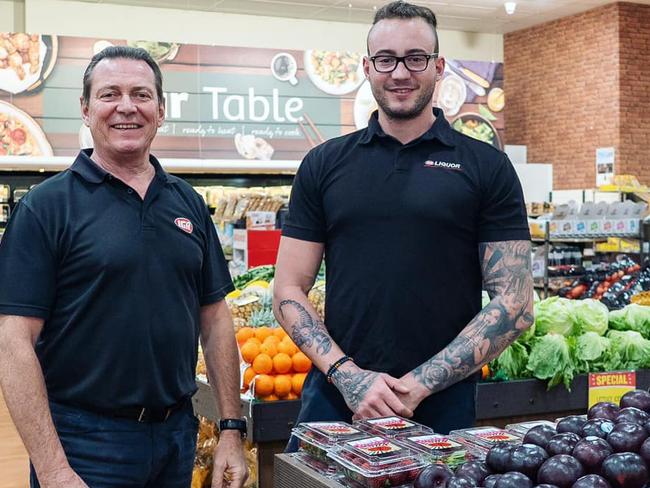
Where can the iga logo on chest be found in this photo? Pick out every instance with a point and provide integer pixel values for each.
(184, 224)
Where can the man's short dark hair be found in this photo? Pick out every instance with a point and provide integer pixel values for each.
(404, 10)
(122, 52)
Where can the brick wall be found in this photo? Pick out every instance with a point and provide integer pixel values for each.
(561, 82)
(634, 41)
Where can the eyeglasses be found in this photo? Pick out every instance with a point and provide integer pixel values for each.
(413, 62)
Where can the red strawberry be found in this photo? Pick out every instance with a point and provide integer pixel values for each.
(398, 478)
(378, 482)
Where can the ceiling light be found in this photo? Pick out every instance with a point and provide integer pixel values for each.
(510, 7)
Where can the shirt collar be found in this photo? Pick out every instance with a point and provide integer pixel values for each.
(90, 171)
(440, 130)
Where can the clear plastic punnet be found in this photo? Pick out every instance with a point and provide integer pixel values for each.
(484, 437)
(392, 426)
(437, 448)
(522, 428)
(377, 462)
(317, 438)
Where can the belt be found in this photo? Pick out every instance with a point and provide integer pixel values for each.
(145, 415)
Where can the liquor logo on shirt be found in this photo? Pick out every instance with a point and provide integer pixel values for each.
(443, 164)
(184, 224)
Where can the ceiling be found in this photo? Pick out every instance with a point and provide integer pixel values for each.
(463, 15)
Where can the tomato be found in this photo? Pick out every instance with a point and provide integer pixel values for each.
(18, 136)
(3, 151)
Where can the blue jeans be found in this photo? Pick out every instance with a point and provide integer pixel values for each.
(113, 452)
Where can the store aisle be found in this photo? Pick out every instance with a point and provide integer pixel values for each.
(14, 467)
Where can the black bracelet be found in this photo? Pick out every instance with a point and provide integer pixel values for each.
(337, 364)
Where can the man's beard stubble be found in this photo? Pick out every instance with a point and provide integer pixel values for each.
(421, 103)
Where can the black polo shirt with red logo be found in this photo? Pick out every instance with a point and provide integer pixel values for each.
(119, 281)
(401, 225)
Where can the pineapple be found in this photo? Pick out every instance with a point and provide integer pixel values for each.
(316, 297)
(263, 317)
(244, 306)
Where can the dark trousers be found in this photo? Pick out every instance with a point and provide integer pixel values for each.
(122, 453)
(450, 409)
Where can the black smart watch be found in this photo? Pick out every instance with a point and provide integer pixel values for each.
(234, 424)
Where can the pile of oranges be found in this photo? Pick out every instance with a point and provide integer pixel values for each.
(276, 367)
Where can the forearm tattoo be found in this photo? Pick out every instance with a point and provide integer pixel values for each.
(353, 385)
(307, 331)
(508, 280)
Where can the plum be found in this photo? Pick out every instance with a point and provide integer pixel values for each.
(572, 423)
(561, 470)
(625, 470)
(562, 443)
(475, 470)
(527, 459)
(491, 480)
(460, 482)
(498, 457)
(597, 427)
(545, 485)
(591, 481)
(513, 479)
(591, 452)
(627, 437)
(433, 476)
(633, 415)
(603, 410)
(644, 451)
(636, 398)
(539, 435)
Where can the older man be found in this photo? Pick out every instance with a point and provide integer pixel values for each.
(109, 274)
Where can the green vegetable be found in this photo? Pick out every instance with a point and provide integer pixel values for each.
(632, 349)
(590, 316)
(550, 359)
(632, 317)
(593, 353)
(485, 112)
(513, 361)
(554, 315)
(265, 273)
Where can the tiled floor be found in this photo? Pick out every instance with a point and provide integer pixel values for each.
(14, 465)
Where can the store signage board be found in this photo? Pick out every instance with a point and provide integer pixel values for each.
(605, 157)
(232, 103)
(610, 386)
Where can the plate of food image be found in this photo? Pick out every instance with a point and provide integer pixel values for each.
(20, 135)
(334, 72)
(478, 127)
(25, 60)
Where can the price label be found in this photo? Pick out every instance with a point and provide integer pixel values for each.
(610, 387)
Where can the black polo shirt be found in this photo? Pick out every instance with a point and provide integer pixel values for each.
(401, 224)
(119, 282)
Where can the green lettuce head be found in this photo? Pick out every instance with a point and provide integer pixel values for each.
(633, 317)
(550, 359)
(632, 349)
(554, 316)
(590, 316)
(593, 353)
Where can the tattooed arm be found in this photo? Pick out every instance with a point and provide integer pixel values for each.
(367, 393)
(508, 280)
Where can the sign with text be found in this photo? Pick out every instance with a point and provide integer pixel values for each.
(223, 102)
(610, 386)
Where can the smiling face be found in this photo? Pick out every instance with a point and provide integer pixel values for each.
(403, 94)
(123, 111)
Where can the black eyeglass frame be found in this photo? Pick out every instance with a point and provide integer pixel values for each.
(402, 59)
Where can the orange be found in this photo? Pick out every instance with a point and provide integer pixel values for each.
(280, 333)
(301, 363)
(291, 396)
(297, 381)
(268, 347)
(262, 332)
(263, 385)
(244, 334)
(270, 398)
(282, 363)
(272, 339)
(249, 374)
(287, 347)
(249, 350)
(282, 385)
(263, 364)
(255, 340)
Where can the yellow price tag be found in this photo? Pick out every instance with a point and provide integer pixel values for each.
(610, 386)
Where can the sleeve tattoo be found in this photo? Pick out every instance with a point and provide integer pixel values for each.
(508, 280)
(306, 330)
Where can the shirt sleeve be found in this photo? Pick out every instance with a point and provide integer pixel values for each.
(27, 266)
(305, 220)
(503, 211)
(216, 277)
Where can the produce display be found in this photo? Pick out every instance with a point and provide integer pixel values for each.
(392, 427)
(572, 337)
